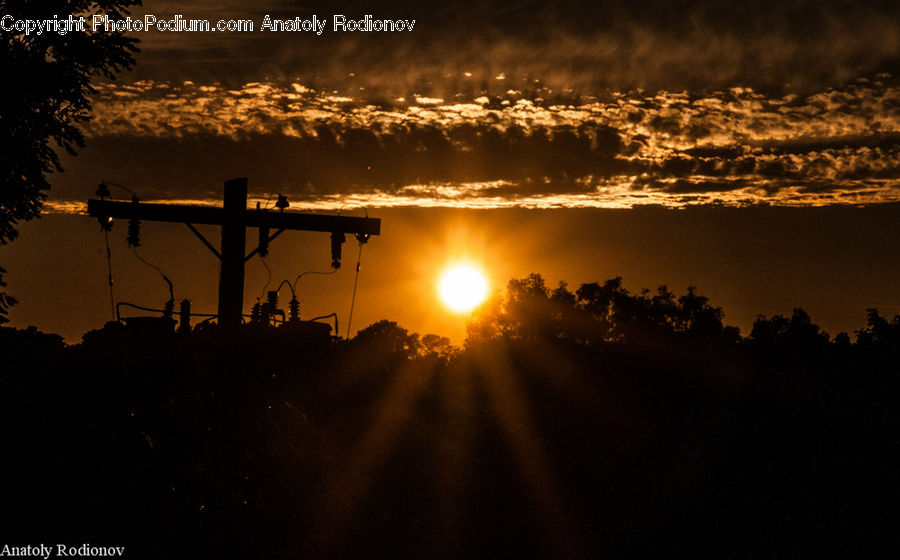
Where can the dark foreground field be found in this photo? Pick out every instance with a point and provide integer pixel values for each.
(542, 438)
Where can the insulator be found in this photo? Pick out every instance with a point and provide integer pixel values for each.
(256, 314)
(263, 241)
(102, 191)
(272, 299)
(294, 307)
(169, 309)
(184, 316)
(337, 239)
(134, 232)
(282, 202)
(106, 223)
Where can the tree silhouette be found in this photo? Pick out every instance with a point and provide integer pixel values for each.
(881, 339)
(436, 346)
(45, 96)
(6, 301)
(599, 313)
(797, 333)
(653, 425)
(387, 339)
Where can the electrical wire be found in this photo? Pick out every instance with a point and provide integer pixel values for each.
(360, 206)
(268, 200)
(355, 282)
(140, 307)
(334, 316)
(121, 187)
(288, 282)
(154, 310)
(302, 274)
(109, 274)
(157, 269)
(112, 298)
(268, 279)
(358, 259)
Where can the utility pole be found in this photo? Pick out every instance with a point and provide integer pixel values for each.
(234, 218)
(234, 239)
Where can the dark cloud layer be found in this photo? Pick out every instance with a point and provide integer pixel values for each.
(533, 104)
(580, 45)
(519, 148)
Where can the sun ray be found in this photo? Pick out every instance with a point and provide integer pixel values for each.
(508, 399)
(454, 449)
(345, 490)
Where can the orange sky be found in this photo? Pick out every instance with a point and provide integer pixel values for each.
(735, 143)
(834, 262)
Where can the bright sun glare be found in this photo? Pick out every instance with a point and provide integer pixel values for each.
(463, 288)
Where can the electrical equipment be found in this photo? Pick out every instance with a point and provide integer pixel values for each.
(337, 239)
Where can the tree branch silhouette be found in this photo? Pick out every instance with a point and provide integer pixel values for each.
(45, 96)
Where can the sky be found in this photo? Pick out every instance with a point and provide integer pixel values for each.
(749, 149)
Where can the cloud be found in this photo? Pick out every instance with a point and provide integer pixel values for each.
(736, 146)
(580, 45)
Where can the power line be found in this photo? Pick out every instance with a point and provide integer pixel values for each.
(268, 279)
(157, 269)
(112, 298)
(355, 282)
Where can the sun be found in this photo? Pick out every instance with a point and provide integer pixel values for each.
(463, 288)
